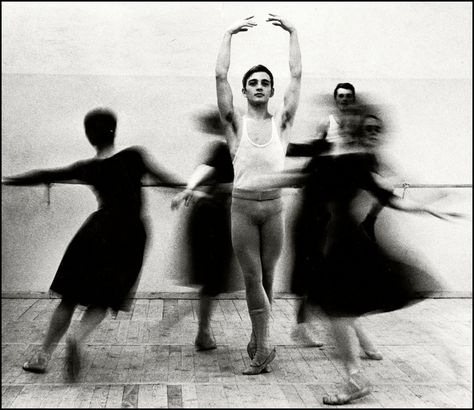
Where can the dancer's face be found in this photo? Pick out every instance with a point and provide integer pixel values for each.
(344, 99)
(371, 131)
(258, 89)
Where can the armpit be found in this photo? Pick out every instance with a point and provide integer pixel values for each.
(230, 118)
(286, 120)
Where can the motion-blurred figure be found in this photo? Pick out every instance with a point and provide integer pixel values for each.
(371, 140)
(101, 266)
(341, 129)
(341, 126)
(208, 195)
(355, 275)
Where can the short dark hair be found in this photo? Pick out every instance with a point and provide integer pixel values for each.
(100, 125)
(374, 117)
(367, 116)
(346, 86)
(256, 69)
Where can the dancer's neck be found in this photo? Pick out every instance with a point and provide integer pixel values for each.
(106, 152)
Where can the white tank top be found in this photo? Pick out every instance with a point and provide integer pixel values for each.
(334, 133)
(338, 136)
(253, 159)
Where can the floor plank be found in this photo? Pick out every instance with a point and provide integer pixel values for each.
(146, 358)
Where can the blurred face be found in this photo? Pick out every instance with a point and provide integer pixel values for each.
(344, 99)
(371, 132)
(258, 89)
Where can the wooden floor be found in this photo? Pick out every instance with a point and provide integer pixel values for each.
(146, 359)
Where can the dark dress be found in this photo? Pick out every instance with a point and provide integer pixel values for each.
(209, 228)
(309, 226)
(102, 264)
(356, 275)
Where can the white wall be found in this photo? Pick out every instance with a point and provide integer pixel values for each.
(153, 64)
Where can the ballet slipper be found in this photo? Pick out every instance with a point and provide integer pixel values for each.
(356, 388)
(251, 350)
(373, 355)
(204, 341)
(38, 363)
(260, 367)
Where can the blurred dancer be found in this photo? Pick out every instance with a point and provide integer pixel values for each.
(356, 275)
(101, 266)
(341, 128)
(370, 140)
(256, 145)
(208, 193)
(308, 232)
(342, 125)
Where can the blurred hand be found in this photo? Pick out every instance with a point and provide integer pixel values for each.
(16, 181)
(185, 196)
(8, 181)
(446, 215)
(188, 197)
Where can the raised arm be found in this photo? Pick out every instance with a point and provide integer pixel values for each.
(224, 92)
(292, 93)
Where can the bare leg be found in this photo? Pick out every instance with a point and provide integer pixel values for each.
(346, 342)
(206, 305)
(204, 339)
(301, 333)
(365, 343)
(91, 318)
(348, 347)
(58, 325)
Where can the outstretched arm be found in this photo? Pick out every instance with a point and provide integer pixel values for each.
(224, 92)
(160, 173)
(384, 193)
(407, 205)
(290, 178)
(42, 176)
(292, 93)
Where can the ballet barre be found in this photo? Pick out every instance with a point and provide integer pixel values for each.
(405, 186)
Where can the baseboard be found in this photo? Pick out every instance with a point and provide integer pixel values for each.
(195, 295)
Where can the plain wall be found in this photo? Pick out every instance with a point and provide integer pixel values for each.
(153, 63)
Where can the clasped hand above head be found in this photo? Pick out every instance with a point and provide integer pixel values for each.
(246, 23)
